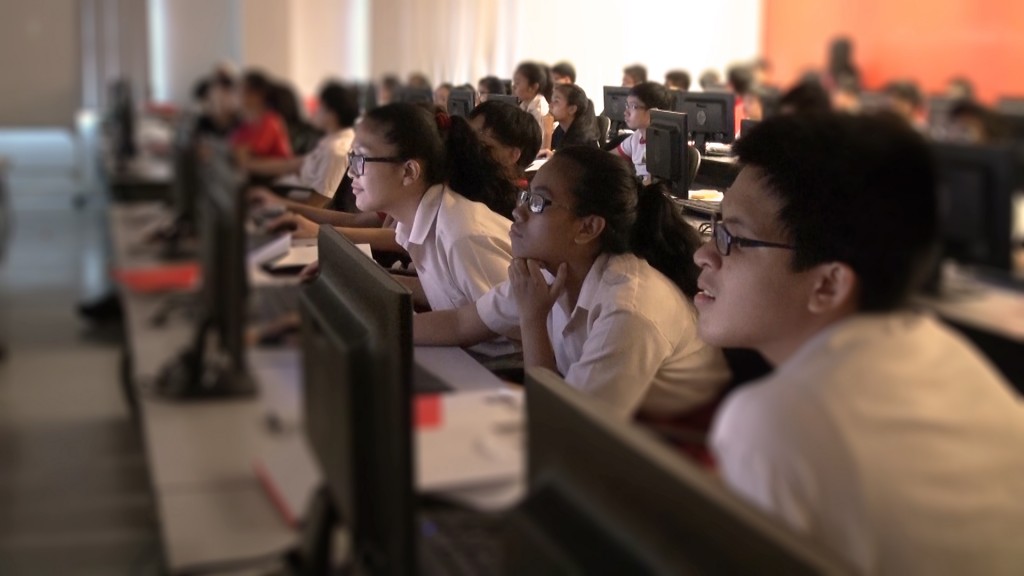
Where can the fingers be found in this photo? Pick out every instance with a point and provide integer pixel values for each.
(310, 272)
(282, 222)
(558, 285)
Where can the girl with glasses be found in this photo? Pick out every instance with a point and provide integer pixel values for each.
(642, 98)
(600, 289)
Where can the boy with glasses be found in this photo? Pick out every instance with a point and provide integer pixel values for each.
(881, 434)
(642, 98)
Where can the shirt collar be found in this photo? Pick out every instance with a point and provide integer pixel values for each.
(423, 222)
(606, 270)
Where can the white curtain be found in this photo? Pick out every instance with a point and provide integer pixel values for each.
(463, 40)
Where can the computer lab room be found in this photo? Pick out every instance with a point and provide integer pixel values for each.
(511, 287)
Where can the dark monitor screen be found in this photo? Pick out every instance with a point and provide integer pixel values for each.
(357, 358)
(939, 108)
(1011, 106)
(185, 185)
(615, 103)
(667, 150)
(607, 497)
(873, 101)
(976, 199)
(503, 98)
(747, 125)
(461, 102)
(367, 97)
(223, 256)
(414, 95)
(711, 115)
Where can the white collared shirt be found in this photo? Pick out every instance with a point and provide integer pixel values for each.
(538, 108)
(325, 166)
(460, 250)
(891, 441)
(635, 148)
(631, 340)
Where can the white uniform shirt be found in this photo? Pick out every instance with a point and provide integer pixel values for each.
(631, 340)
(635, 148)
(891, 441)
(538, 108)
(460, 250)
(325, 166)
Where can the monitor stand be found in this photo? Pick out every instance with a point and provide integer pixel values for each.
(202, 371)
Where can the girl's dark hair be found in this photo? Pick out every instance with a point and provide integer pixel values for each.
(451, 154)
(538, 74)
(493, 84)
(512, 126)
(583, 130)
(283, 100)
(638, 219)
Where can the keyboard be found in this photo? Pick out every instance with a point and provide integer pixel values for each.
(269, 303)
(457, 542)
(705, 207)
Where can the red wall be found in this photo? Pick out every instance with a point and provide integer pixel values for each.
(927, 40)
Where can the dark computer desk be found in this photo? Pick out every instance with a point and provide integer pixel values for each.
(716, 172)
(989, 315)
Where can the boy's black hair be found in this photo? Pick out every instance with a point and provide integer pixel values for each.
(342, 101)
(807, 97)
(493, 84)
(201, 89)
(854, 189)
(638, 72)
(740, 78)
(652, 94)
(905, 90)
(565, 69)
(512, 126)
(679, 78)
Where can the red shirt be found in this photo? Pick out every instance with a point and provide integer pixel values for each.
(265, 137)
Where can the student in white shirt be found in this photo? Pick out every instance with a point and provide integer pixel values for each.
(531, 84)
(881, 434)
(642, 98)
(324, 167)
(599, 290)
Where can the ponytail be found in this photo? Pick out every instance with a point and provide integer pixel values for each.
(663, 238)
(471, 170)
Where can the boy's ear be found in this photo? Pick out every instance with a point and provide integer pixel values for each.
(836, 288)
(589, 228)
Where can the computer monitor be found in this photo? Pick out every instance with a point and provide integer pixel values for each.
(711, 116)
(939, 108)
(461, 102)
(976, 185)
(615, 103)
(873, 101)
(1011, 112)
(506, 98)
(414, 95)
(1012, 106)
(607, 497)
(185, 184)
(214, 365)
(121, 118)
(367, 97)
(668, 150)
(357, 357)
(746, 125)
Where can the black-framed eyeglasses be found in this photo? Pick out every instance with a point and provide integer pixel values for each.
(535, 202)
(724, 240)
(635, 107)
(357, 162)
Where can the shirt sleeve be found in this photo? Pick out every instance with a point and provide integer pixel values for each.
(478, 263)
(498, 311)
(625, 148)
(620, 357)
(760, 462)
